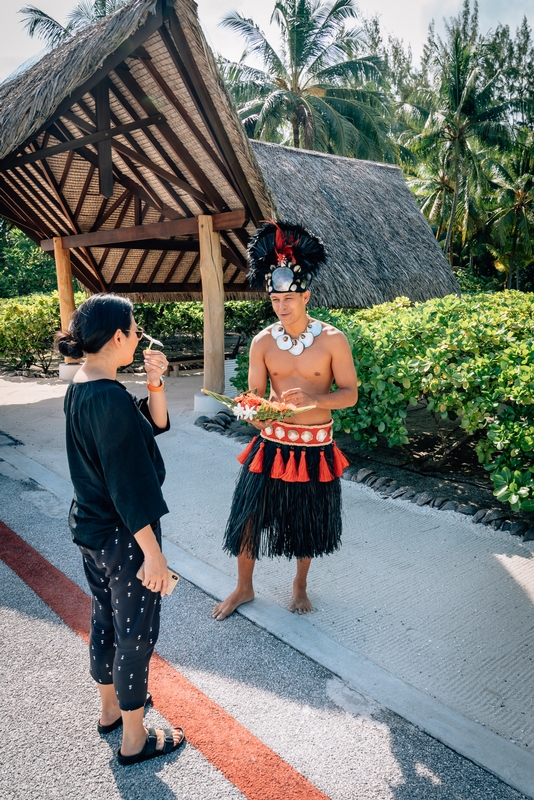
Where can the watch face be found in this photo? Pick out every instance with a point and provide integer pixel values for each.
(282, 278)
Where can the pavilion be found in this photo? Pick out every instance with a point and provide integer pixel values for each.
(122, 153)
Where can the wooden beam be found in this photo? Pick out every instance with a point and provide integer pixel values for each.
(103, 135)
(124, 50)
(189, 288)
(186, 64)
(64, 286)
(213, 297)
(178, 227)
(103, 124)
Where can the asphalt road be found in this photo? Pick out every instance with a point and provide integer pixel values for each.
(344, 744)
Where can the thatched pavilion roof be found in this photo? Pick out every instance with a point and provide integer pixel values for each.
(118, 139)
(378, 243)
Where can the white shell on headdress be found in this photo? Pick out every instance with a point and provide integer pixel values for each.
(277, 330)
(307, 338)
(282, 279)
(293, 287)
(293, 435)
(314, 327)
(284, 342)
(297, 348)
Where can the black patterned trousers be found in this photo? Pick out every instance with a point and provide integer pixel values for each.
(125, 617)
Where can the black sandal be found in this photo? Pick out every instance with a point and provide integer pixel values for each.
(104, 729)
(149, 750)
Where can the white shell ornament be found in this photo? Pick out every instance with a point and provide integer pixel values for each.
(314, 327)
(293, 435)
(279, 433)
(285, 342)
(307, 436)
(321, 435)
(297, 348)
(307, 338)
(282, 279)
(277, 330)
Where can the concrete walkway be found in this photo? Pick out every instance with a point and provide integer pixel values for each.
(421, 609)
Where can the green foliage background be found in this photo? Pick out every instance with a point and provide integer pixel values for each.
(470, 358)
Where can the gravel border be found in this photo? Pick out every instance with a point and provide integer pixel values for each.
(225, 424)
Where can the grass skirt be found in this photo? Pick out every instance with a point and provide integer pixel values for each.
(276, 517)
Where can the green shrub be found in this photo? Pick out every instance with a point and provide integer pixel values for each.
(471, 358)
(27, 328)
(165, 320)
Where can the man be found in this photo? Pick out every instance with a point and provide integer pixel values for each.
(288, 496)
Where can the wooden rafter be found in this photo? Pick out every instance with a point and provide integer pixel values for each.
(179, 227)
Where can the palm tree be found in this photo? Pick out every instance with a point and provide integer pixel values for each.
(314, 90)
(45, 27)
(461, 118)
(513, 218)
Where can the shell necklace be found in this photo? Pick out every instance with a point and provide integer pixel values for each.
(296, 346)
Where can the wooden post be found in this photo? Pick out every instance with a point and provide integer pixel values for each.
(211, 273)
(64, 286)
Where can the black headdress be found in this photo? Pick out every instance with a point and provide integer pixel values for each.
(284, 257)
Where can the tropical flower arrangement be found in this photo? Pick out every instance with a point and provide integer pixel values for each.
(250, 406)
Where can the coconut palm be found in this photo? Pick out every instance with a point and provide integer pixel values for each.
(314, 91)
(462, 118)
(513, 218)
(52, 32)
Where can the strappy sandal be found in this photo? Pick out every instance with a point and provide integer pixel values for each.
(104, 729)
(149, 750)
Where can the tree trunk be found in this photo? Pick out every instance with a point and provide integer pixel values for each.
(296, 133)
(450, 228)
(512, 255)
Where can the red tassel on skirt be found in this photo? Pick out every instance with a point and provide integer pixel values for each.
(303, 474)
(242, 457)
(291, 475)
(278, 467)
(257, 462)
(325, 476)
(341, 462)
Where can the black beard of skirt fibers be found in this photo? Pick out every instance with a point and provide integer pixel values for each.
(291, 517)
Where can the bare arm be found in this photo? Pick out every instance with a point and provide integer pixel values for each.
(155, 365)
(257, 375)
(346, 395)
(154, 575)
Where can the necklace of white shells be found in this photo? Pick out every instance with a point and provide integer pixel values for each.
(296, 346)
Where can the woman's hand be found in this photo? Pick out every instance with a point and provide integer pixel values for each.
(156, 365)
(153, 574)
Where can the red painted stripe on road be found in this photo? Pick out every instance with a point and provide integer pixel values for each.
(256, 770)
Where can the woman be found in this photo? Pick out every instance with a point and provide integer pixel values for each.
(117, 471)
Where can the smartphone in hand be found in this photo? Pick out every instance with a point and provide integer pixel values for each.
(172, 575)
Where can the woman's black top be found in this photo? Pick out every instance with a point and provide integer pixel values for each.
(115, 464)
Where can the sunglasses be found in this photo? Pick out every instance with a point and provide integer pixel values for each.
(140, 333)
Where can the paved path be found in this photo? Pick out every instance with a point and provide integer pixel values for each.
(439, 605)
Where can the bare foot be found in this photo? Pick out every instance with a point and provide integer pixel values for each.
(228, 606)
(300, 603)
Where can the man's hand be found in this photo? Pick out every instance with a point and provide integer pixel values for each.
(299, 398)
(260, 426)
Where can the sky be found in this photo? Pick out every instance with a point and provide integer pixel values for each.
(406, 19)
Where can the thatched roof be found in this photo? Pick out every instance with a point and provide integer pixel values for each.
(184, 153)
(118, 139)
(379, 245)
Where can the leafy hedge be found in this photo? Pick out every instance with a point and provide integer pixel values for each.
(164, 320)
(28, 324)
(470, 358)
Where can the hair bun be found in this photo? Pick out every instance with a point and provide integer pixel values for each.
(69, 346)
